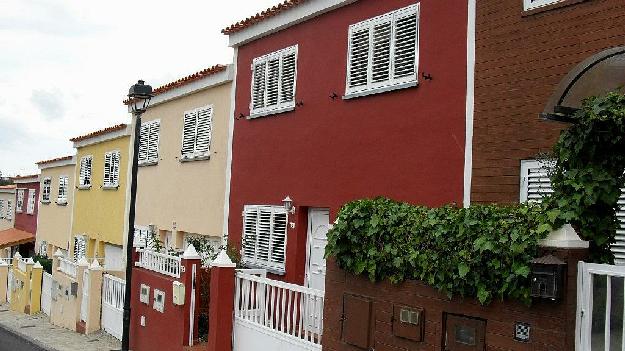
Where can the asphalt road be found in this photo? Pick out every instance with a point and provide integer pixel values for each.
(11, 342)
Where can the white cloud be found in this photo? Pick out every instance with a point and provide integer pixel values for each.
(67, 64)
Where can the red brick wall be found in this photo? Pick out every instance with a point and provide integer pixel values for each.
(520, 59)
(552, 324)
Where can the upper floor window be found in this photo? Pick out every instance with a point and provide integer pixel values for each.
(20, 201)
(273, 82)
(2, 214)
(80, 247)
(85, 172)
(383, 53)
(532, 4)
(111, 169)
(30, 207)
(196, 133)
(45, 190)
(9, 215)
(148, 145)
(63, 187)
(264, 237)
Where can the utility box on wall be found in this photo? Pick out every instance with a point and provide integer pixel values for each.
(464, 333)
(408, 322)
(178, 293)
(356, 321)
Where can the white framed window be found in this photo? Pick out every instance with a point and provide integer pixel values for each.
(535, 185)
(142, 236)
(111, 170)
(196, 133)
(19, 206)
(159, 300)
(80, 247)
(144, 294)
(533, 4)
(43, 248)
(63, 188)
(264, 237)
(85, 172)
(148, 144)
(2, 213)
(45, 190)
(30, 206)
(383, 53)
(9, 215)
(274, 78)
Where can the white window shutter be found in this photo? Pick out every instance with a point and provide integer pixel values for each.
(618, 248)
(274, 79)
(46, 189)
(188, 134)
(535, 182)
(144, 140)
(264, 237)
(80, 247)
(250, 218)
(278, 238)
(258, 86)
(152, 142)
(2, 215)
(85, 171)
(289, 69)
(81, 174)
(115, 168)
(406, 35)
(107, 169)
(63, 185)
(9, 215)
(30, 206)
(273, 82)
(358, 57)
(381, 50)
(204, 130)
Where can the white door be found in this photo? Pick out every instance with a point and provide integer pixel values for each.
(318, 226)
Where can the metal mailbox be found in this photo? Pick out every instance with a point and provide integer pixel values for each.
(408, 322)
(547, 277)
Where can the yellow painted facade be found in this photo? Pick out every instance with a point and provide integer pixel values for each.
(179, 197)
(55, 217)
(26, 289)
(100, 213)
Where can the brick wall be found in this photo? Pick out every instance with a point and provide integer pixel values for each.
(520, 59)
(552, 324)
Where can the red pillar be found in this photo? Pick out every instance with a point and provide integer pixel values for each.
(221, 304)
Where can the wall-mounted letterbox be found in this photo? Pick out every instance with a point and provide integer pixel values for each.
(408, 322)
(177, 293)
(356, 321)
(464, 333)
(547, 277)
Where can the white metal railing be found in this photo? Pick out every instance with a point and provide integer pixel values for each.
(68, 266)
(113, 290)
(280, 307)
(158, 262)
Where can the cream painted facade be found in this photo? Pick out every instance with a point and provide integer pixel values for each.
(55, 215)
(100, 213)
(179, 197)
(7, 193)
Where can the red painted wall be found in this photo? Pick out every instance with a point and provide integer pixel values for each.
(24, 221)
(163, 331)
(406, 144)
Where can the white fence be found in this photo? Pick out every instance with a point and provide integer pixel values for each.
(10, 283)
(68, 266)
(46, 292)
(21, 264)
(273, 315)
(7, 261)
(160, 263)
(113, 290)
(84, 304)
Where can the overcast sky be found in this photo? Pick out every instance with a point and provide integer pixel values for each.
(66, 65)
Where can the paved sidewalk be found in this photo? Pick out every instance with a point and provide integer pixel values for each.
(38, 330)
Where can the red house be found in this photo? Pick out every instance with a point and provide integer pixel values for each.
(336, 101)
(22, 237)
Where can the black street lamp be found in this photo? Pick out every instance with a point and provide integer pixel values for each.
(139, 97)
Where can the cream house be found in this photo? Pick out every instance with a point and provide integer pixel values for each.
(182, 159)
(56, 203)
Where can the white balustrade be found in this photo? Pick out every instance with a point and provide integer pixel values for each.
(68, 266)
(280, 307)
(160, 263)
(21, 264)
(7, 261)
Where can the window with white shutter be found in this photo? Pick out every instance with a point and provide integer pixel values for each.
(111, 169)
(535, 184)
(141, 237)
(383, 53)
(63, 187)
(534, 4)
(80, 247)
(274, 79)
(45, 190)
(20, 201)
(85, 172)
(148, 144)
(196, 134)
(2, 213)
(264, 237)
(30, 206)
(9, 215)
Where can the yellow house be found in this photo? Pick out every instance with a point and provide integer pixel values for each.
(99, 222)
(181, 180)
(56, 199)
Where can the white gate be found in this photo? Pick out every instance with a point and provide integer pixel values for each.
(10, 282)
(600, 307)
(46, 292)
(113, 290)
(273, 315)
(84, 305)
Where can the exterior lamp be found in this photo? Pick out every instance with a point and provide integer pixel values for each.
(561, 114)
(139, 96)
(288, 204)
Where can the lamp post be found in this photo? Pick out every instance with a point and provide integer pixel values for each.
(139, 96)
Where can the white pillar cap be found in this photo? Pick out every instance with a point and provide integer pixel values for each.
(566, 238)
(223, 260)
(191, 253)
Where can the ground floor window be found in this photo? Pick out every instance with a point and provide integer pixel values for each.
(264, 237)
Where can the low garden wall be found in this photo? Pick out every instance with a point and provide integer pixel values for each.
(361, 315)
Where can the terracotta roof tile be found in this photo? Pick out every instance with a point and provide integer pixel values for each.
(65, 158)
(3, 187)
(261, 16)
(99, 132)
(186, 80)
(25, 176)
(12, 237)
